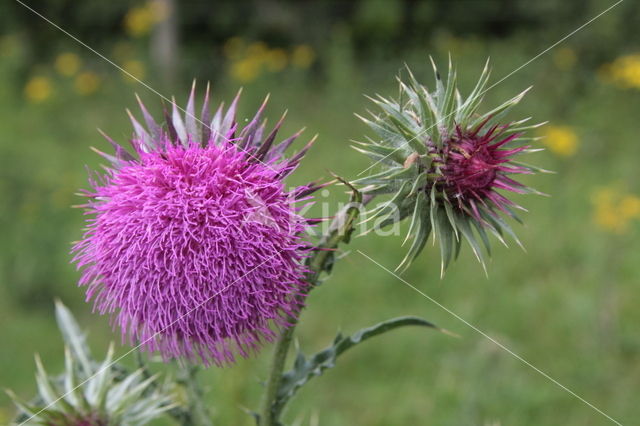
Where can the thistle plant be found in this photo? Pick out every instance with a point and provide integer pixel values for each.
(198, 252)
(444, 164)
(91, 393)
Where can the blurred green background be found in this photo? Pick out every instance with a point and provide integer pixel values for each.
(568, 305)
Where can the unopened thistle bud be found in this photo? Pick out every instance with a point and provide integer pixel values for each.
(446, 165)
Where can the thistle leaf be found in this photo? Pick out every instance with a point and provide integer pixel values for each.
(305, 369)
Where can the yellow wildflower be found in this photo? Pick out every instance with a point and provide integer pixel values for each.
(624, 71)
(613, 210)
(138, 21)
(67, 64)
(630, 207)
(257, 51)
(38, 89)
(245, 70)
(87, 83)
(303, 56)
(276, 60)
(561, 140)
(134, 70)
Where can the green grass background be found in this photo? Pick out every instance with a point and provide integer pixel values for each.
(568, 305)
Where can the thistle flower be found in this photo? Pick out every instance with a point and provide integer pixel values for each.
(446, 165)
(195, 246)
(89, 393)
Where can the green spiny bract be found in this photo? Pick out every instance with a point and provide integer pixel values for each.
(443, 164)
(89, 393)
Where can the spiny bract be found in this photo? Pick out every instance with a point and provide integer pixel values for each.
(89, 393)
(444, 164)
(195, 246)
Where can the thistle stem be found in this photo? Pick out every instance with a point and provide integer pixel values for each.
(270, 412)
(196, 413)
(340, 231)
(199, 412)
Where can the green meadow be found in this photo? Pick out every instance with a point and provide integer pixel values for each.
(564, 310)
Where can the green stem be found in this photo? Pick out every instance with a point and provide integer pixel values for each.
(340, 231)
(270, 412)
(199, 412)
(196, 413)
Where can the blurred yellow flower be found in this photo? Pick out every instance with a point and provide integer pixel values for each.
(303, 56)
(67, 64)
(245, 70)
(630, 207)
(249, 61)
(134, 70)
(233, 48)
(613, 210)
(276, 59)
(561, 140)
(87, 83)
(257, 51)
(139, 21)
(38, 89)
(565, 58)
(624, 71)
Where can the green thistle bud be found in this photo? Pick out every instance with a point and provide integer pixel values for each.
(446, 165)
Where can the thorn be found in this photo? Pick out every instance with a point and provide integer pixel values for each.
(435, 68)
(449, 333)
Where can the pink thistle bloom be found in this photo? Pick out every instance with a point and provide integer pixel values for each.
(474, 165)
(194, 246)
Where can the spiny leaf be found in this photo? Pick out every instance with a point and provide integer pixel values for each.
(305, 369)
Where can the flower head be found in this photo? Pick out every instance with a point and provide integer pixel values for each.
(445, 164)
(195, 246)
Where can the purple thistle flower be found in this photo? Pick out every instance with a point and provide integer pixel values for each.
(194, 245)
(473, 166)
